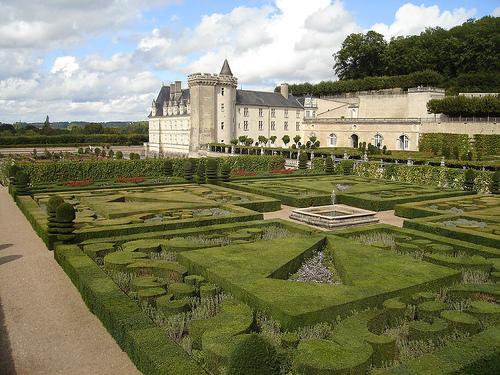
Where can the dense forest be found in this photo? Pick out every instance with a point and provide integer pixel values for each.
(465, 58)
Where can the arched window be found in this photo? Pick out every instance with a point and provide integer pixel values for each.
(332, 140)
(404, 142)
(378, 140)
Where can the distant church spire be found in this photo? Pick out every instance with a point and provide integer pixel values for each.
(226, 70)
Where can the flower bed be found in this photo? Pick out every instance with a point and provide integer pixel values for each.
(80, 183)
(242, 172)
(282, 171)
(128, 180)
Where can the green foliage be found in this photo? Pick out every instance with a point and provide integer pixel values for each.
(68, 139)
(254, 356)
(65, 213)
(486, 144)
(469, 177)
(440, 143)
(303, 159)
(286, 139)
(201, 171)
(119, 155)
(21, 182)
(52, 204)
(167, 167)
(347, 167)
(495, 183)
(329, 167)
(212, 171)
(455, 106)
(188, 169)
(225, 173)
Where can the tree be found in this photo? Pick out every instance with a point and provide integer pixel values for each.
(234, 142)
(360, 56)
(297, 139)
(273, 139)
(119, 154)
(242, 139)
(248, 141)
(286, 139)
(262, 140)
(303, 159)
(314, 143)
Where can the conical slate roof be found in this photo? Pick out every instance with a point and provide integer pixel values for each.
(226, 70)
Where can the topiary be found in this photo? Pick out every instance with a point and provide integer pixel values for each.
(495, 183)
(303, 159)
(167, 168)
(65, 220)
(52, 204)
(470, 176)
(226, 172)
(201, 171)
(188, 170)
(329, 167)
(212, 173)
(347, 166)
(12, 171)
(119, 155)
(21, 183)
(254, 356)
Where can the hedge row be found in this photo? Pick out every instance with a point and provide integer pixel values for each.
(67, 170)
(452, 178)
(486, 144)
(465, 106)
(63, 139)
(146, 344)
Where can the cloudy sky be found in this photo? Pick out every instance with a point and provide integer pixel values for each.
(104, 60)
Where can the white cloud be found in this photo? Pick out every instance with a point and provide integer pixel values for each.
(66, 65)
(496, 12)
(412, 19)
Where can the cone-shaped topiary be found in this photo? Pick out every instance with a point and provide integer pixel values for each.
(167, 167)
(470, 176)
(495, 183)
(22, 181)
(52, 204)
(65, 216)
(347, 166)
(11, 172)
(226, 172)
(188, 170)
(119, 155)
(303, 160)
(201, 171)
(254, 356)
(329, 168)
(212, 173)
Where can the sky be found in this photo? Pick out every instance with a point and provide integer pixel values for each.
(105, 60)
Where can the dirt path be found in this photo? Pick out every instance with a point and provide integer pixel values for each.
(385, 217)
(45, 327)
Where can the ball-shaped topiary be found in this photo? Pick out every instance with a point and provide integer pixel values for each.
(64, 222)
(225, 172)
(495, 183)
(54, 202)
(329, 168)
(254, 356)
(303, 160)
(65, 213)
(212, 171)
(469, 177)
(119, 155)
(188, 169)
(201, 171)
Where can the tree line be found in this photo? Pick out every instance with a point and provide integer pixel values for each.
(456, 106)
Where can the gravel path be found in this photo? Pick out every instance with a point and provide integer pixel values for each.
(45, 327)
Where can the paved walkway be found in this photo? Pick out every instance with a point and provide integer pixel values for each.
(45, 327)
(385, 217)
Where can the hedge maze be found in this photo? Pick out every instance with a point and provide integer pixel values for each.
(189, 279)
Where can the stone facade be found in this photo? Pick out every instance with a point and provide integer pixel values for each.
(213, 110)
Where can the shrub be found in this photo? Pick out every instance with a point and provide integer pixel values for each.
(225, 172)
(495, 183)
(303, 160)
(167, 168)
(65, 217)
(470, 176)
(119, 155)
(254, 356)
(52, 204)
(347, 166)
(212, 171)
(201, 171)
(21, 183)
(188, 170)
(329, 167)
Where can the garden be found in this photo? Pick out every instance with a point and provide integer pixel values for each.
(189, 278)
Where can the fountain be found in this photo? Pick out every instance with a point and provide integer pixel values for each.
(334, 215)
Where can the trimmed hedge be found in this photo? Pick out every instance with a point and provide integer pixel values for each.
(145, 343)
(69, 139)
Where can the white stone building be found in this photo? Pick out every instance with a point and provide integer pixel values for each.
(213, 110)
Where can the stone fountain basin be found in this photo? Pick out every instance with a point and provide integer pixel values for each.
(332, 217)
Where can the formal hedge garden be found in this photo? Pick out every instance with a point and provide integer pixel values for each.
(190, 279)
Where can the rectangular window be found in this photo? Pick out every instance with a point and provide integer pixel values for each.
(222, 91)
(222, 107)
(261, 125)
(261, 112)
(297, 114)
(285, 126)
(273, 112)
(286, 113)
(297, 126)
(222, 125)
(245, 125)
(245, 112)
(273, 125)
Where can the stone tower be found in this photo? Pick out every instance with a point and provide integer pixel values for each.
(210, 120)
(226, 104)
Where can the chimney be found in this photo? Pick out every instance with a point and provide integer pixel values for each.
(177, 87)
(172, 90)
(284, 90)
